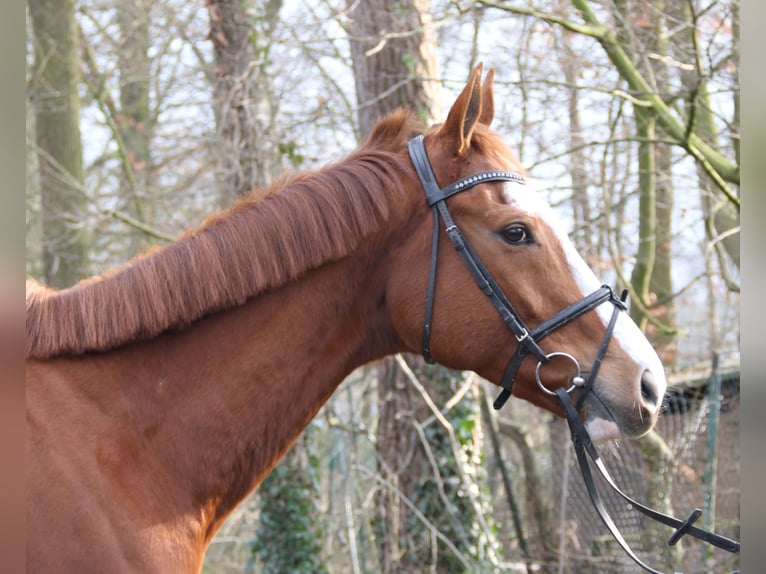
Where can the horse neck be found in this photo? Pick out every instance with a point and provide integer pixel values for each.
(225, 398)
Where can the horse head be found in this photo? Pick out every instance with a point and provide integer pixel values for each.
(520, 242)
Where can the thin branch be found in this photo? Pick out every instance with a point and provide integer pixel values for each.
(715, 244)
(455, 450)
(595, 31)
(96, 82)
(713, 161)
(594, 143)
(419, 515)
(454, 399)
(721, 168)
(143, 227)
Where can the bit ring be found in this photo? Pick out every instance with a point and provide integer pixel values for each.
(577, 379)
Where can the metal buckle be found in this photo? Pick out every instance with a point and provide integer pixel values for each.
(577, 380)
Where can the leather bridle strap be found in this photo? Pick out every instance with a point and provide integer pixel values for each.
(619, 305)
(435, 198)
(601, 295)
(584, 445)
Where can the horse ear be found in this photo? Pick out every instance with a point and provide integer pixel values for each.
(488, 99)
(465, 113)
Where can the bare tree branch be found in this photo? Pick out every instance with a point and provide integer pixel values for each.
(721, 169)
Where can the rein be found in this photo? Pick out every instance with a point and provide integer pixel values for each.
(529, 344)
(583, 444)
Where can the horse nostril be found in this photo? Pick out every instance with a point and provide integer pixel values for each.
(649, 388)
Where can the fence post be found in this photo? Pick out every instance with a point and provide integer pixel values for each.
(711, 467)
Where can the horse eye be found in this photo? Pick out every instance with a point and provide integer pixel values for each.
(516, 234)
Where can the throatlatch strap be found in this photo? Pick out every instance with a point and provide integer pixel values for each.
(436, 197)
(426, 343)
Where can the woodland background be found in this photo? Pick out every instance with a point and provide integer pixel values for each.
(144, 116)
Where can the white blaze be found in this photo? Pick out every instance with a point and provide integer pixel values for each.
(627, 333)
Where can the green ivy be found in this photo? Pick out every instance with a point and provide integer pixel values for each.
(290, 151)
(460, 523)
(286, 539)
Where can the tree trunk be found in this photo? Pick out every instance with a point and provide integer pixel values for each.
(248, 156)
(647, 214)
(537, 498)
(646, 125)
(57, 116)
(134, 120)
(246, 144)
(401, 464)
(581, 210)
(661, 282)
(393, 49)
(660, 463)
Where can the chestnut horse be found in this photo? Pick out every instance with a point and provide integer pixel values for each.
(160, 394)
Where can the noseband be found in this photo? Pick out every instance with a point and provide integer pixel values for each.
(528, 340)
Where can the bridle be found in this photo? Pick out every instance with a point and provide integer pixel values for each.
(529, 339)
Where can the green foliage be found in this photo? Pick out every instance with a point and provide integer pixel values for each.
(286, 540)
(458, 520)
(410, 63)
(290, 151)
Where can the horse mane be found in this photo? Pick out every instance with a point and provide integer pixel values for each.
(263, 241)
